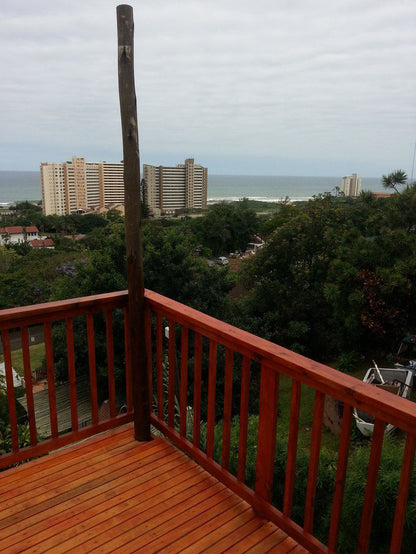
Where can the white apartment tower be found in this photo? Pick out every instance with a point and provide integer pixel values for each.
(175, 188)
(351, 185)
(77, 185)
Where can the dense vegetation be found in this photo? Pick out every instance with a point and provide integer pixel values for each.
(335, 281)
(336, 278)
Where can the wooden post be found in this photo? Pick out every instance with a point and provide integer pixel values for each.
(136, 315)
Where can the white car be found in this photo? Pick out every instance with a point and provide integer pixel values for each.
(222, 260)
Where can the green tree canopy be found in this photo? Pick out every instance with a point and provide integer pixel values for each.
(336, 276)
(226, 227)
(394, 179)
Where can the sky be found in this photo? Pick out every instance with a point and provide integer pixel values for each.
(266, 87)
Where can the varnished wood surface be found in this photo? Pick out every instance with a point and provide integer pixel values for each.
(113, 494)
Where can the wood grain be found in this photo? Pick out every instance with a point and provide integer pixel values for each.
(112, 493)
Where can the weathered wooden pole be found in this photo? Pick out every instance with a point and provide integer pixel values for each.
(134, 257)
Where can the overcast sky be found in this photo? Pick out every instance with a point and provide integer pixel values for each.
(275, 87)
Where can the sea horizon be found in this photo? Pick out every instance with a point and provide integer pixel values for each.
(275, 188)
(18, 186)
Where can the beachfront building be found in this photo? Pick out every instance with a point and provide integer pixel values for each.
(168, 189)
(351, 185)
(78, 186)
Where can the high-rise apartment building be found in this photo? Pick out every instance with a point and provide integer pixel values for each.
(77, 185)
(175, 188)
(351, 185)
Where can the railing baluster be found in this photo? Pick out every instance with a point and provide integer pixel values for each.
(171, 374)
(110, 362)
(343, 450)
(129, 397)
(159, 366)
(51, 379)
(371, 487)
(29, 386)
(266, 440)
(318, 413)
(292, 448)
(148, 342)
(212, 384)
(10, 390)
(197, 390)
(71, 373)
(92, 369)
(228, 399)
(242, 439)
(403, 493)
(183, 401)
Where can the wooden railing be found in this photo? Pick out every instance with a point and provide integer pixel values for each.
(212, 387)
(92, 316)
(193, 358)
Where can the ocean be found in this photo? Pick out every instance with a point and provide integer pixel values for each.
(19, 185)
(25, 185)
(275, 188)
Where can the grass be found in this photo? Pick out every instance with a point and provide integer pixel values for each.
(37, 355)
(329, 440)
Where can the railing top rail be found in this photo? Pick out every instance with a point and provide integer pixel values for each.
(327, 380)
(29, 315)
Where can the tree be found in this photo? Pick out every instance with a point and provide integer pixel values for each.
(226, 227)
(7, 258)
(392, 180)
(30, 277)
(172, 268)
(286, 279)
(335, 278)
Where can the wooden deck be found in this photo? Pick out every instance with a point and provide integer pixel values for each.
(113, 494)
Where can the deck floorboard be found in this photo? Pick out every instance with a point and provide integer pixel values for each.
(113, 494)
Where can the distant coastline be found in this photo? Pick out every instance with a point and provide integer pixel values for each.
(275, 188)
(17, 186)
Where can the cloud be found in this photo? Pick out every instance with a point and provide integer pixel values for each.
(267, 80)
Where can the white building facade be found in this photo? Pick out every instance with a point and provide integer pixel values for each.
(351, 185)
(18, 235)
(175, 188)
(78, 186)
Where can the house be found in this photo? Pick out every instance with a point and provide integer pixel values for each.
(18, 234)
(24, 235)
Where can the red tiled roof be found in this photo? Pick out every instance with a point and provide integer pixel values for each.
(14, 230)
(38, 243)
(75, 237)
(17, 230)
(381, 194)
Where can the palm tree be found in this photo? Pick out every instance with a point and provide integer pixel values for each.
(393, 179)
